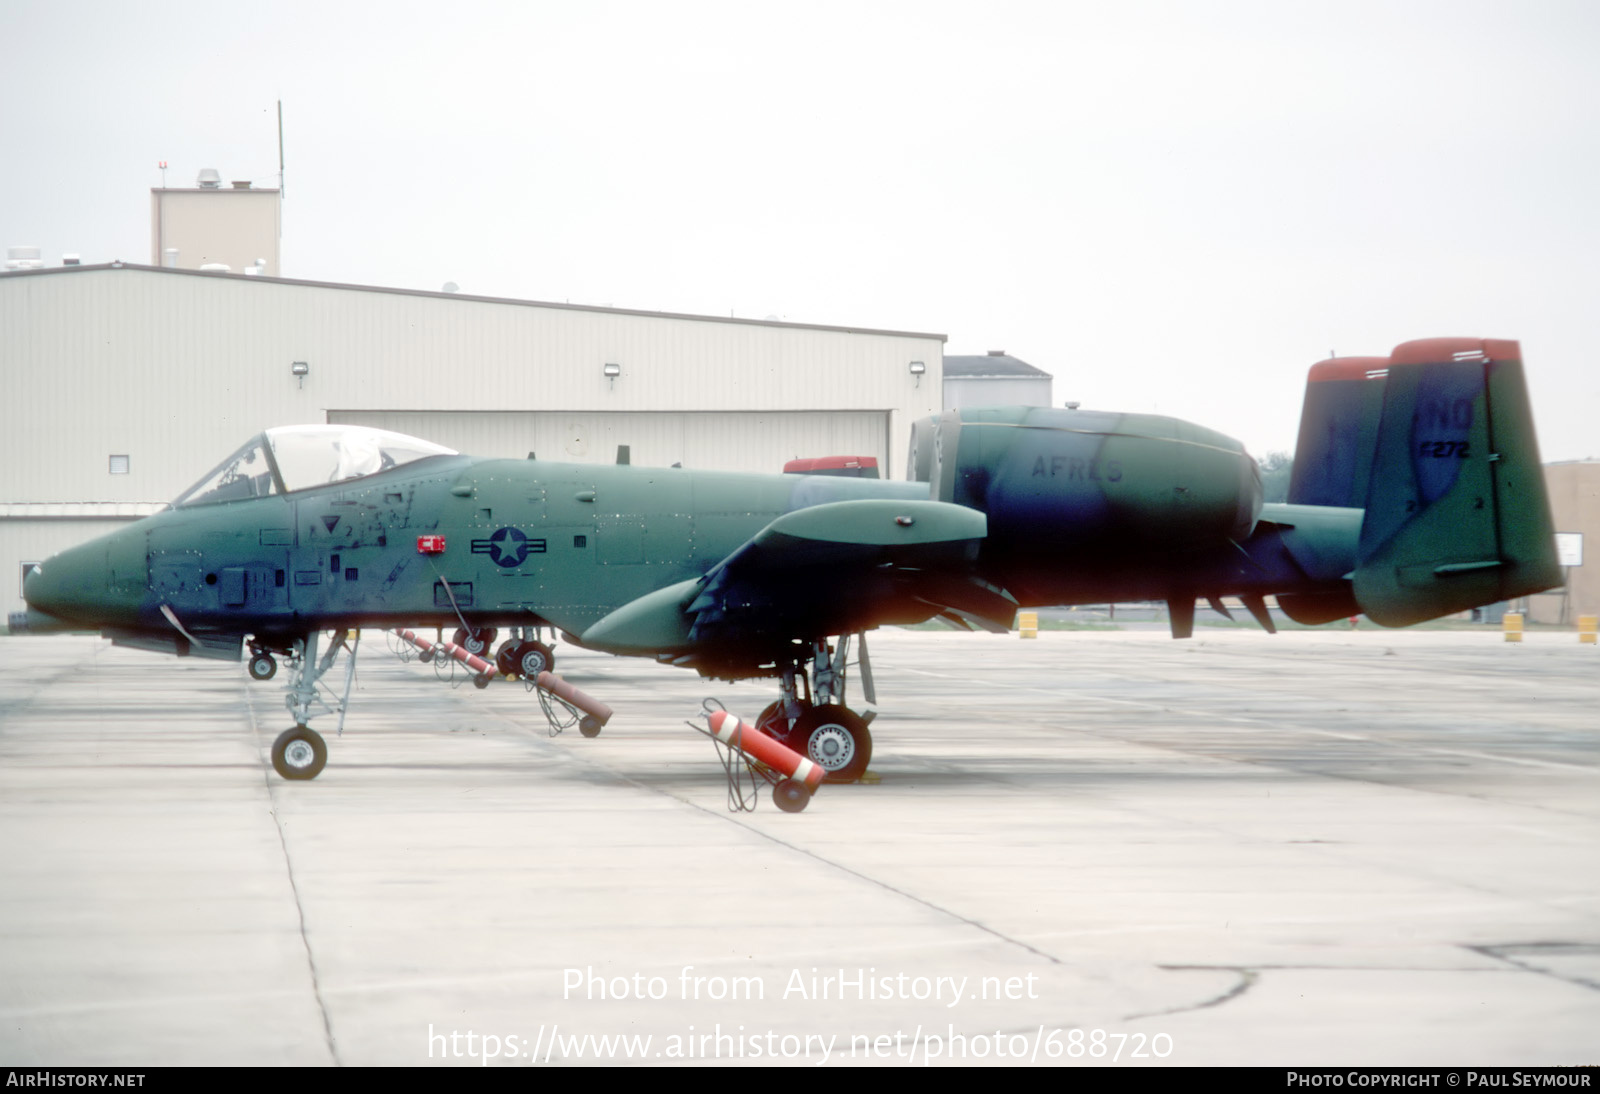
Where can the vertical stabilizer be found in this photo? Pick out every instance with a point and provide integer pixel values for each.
(1338, 431)
(1456, 511)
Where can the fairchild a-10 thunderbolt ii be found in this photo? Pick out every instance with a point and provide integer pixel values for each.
(1417, 492)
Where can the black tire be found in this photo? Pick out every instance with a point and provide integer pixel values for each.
(532, 658)
(505, 661)
(299, 753)
(771, 722)
(263, 666)
(836, 739)
(791, 795)
(589, 726)
(476, 643)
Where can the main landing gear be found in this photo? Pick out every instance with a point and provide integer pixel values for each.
(524, 657)
(817, 724)
(475, 642)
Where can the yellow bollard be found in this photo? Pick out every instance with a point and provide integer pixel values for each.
(1512, 622)
(1586, 629)
(1028, 624)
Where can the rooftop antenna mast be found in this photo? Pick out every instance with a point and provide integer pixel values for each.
(280, 151)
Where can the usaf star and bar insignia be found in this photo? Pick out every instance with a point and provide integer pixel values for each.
(508, 547)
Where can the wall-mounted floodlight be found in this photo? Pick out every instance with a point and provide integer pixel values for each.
(917, 370)
(613, 371)
(300, 370)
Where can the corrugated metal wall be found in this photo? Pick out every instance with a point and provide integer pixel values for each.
(36, 540)
(174, 369)
(710, 440)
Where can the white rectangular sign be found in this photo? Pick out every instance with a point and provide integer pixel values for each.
(1569, 548)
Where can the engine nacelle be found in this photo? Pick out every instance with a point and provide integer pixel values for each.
(1063, 481)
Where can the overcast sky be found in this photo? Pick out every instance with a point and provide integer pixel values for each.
(1172, 207)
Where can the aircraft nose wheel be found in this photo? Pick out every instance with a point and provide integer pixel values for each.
(836, 739)
(263, 667)
(299, 753)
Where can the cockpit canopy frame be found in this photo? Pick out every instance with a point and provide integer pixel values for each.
(287, 459)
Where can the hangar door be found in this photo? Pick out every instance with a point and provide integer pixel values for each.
(710, 440)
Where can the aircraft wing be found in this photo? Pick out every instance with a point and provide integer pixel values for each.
(828, 569)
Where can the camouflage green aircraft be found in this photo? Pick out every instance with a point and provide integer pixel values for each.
(1417, 492)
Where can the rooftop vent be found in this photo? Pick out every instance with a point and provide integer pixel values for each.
(241, 184)
(210, 179)
(997, 353)
(24, 257)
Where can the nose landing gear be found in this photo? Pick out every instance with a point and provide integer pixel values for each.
(300, 752)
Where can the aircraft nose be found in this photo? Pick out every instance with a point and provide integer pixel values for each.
(76, 585)
(62, 585)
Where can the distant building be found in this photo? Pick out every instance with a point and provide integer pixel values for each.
(214, 226)
(995, 379)
(1574, 488)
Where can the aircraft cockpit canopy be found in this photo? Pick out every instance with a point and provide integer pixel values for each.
(299, 457)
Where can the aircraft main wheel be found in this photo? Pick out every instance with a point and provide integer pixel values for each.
(771, 722)
(589, 726)
(478, 642)
(299, 753)
(836, 739)
(505, 658)
(263, 667)
(532, 658)
(791, 795)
